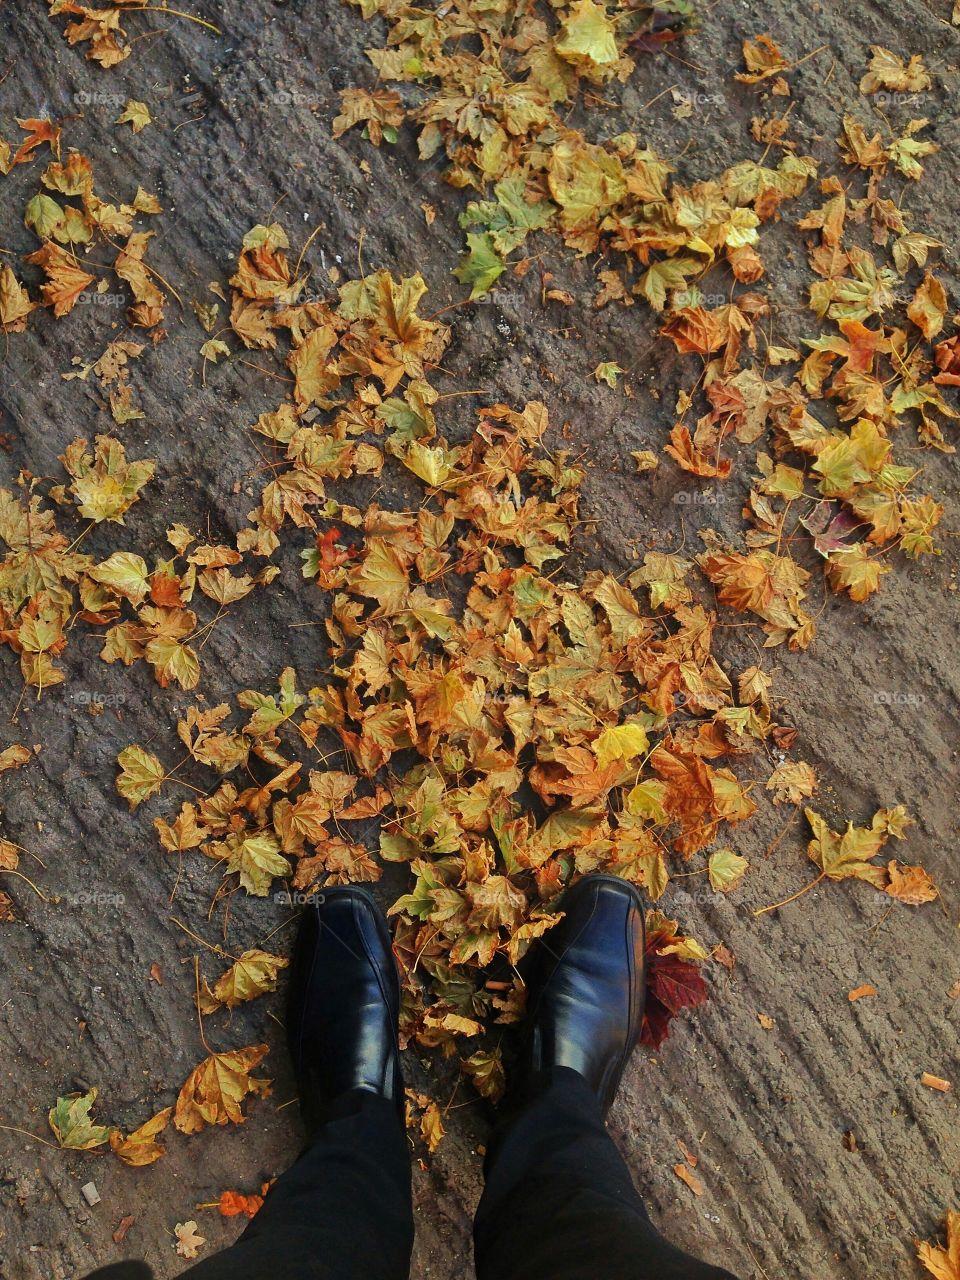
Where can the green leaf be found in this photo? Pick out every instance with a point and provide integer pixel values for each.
(509, 218)
(608, 372)
(71, 1124)
(480, 266)
(726, 869)
(43, 216)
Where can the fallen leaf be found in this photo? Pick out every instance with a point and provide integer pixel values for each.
(71, 1123)
(858, 993)
(136, 114)
(943, 1262)
(253, 974)
(685, 1175)
(141, 775)
(123, 1227)
(726, 870)
(189, 1242)
(234, 1203)
(141, 1146)
(214, 1091)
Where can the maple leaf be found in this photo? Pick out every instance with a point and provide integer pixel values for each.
(15, 302)
(141, 775)
(381, 111)
(40, 132)
(136, 114)
(189, 1241)
(854, 570)
(104, 484)
(928, 307)
(255, 858)
(214, 1091)
(588, 37)
(673, 978)
(919, 517)
(726, 869)
(763, 59)
(620, 742)
(251, 975)
(140, 1147)
(907, 150)
(685, 453)
(130, 266)
(841, 857)
(269, 712)
(509, 218)
(14, 757)
(911, 885)
(889, 71)
(608, 372)
(943, 1262)
(791, 782)
(481, 265)
(234, 1203)
(183, 833)
(71, 1123)
(66, 279)
(485, 1071)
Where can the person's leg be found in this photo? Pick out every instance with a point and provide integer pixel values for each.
(559, 1202)
(343, 1211)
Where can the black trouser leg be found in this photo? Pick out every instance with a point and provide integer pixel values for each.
(560, 1203)
(342, 1212)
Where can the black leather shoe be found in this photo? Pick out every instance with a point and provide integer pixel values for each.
(585, 986)
(343, 1003)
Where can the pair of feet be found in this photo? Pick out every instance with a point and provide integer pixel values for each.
(585, 987)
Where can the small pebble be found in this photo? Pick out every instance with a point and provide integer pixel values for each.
(90, 1193)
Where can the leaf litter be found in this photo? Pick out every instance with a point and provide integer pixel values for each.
(465, 674)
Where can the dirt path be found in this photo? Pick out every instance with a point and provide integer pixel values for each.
(767, 1110)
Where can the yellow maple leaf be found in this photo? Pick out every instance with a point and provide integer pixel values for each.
(620, 742)
(214, 1091)
(140, 1147)
(588, 36)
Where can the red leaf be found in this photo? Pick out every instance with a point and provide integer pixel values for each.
(672, 984)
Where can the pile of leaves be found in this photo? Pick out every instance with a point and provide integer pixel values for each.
(507, 730)
(496, 117)
(71, 223)
(832, 470)
(47, 584)
(499, 116)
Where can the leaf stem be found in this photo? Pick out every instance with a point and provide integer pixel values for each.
(793, 897)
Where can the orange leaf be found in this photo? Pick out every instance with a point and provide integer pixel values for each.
(685, 453)
(858, 993)
(685, 1175)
